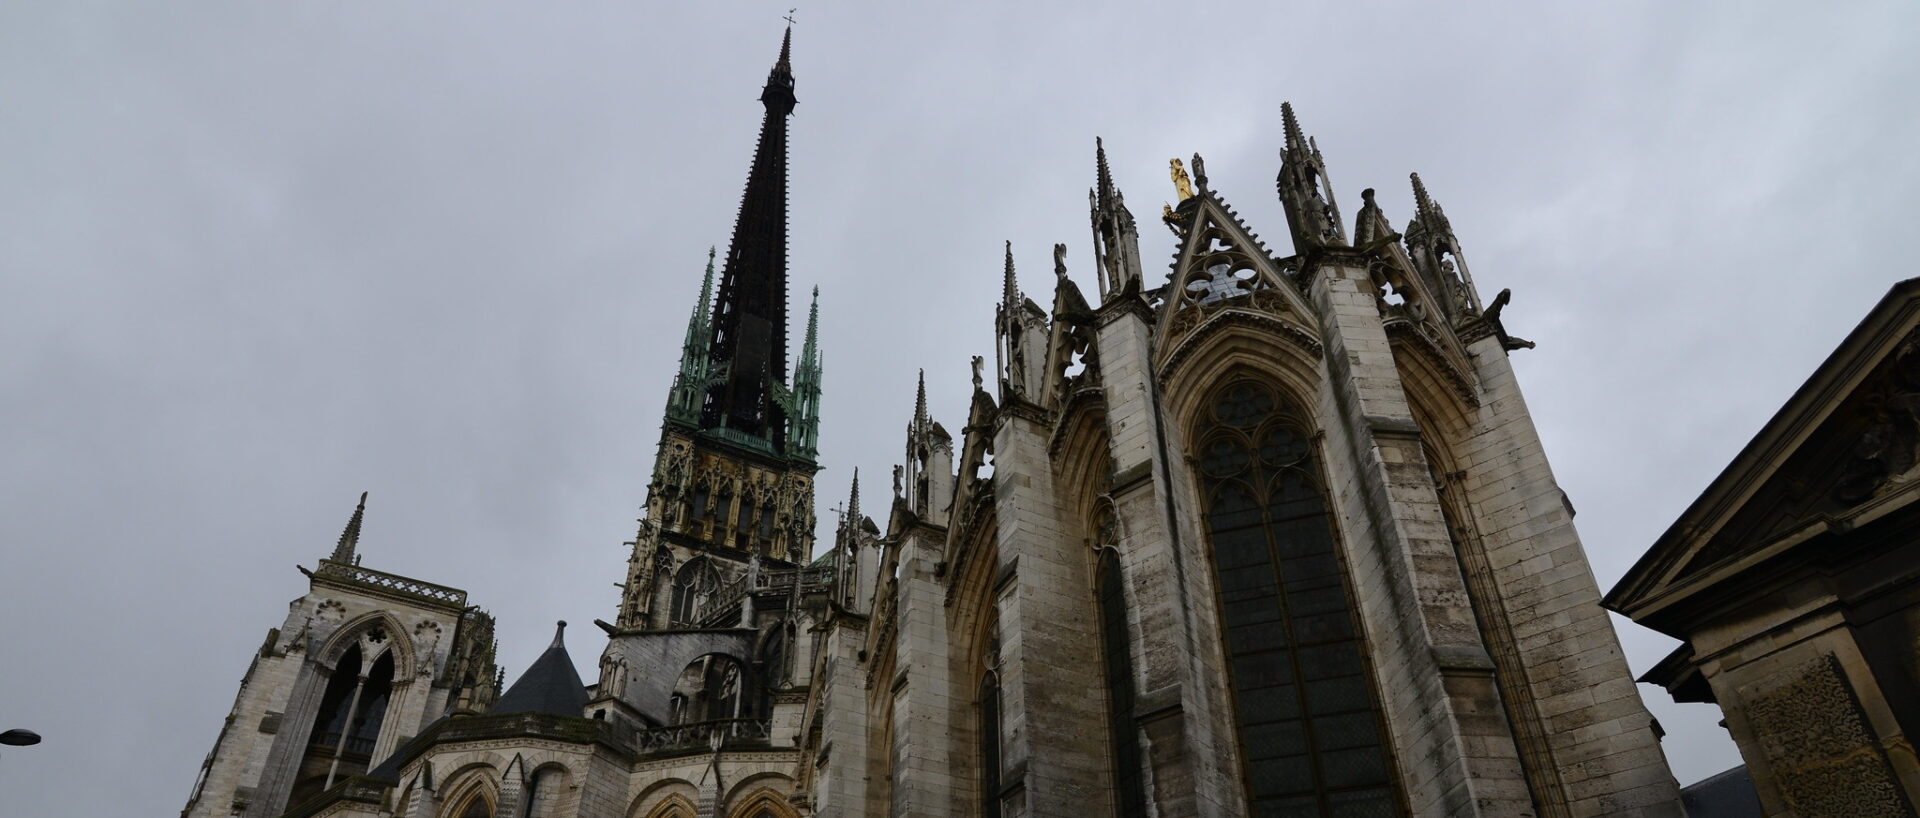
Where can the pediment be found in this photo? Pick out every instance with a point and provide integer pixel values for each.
(1222, 266)
(1844, 448)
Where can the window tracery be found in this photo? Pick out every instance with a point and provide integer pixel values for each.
(1311, 735)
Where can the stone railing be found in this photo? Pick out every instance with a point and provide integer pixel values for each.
(392, 583)
(727, 600)
(704, 735)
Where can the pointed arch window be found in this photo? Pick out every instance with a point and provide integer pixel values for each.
(692, 585)
(1129, 786)
(1311, 735)
(990, 761)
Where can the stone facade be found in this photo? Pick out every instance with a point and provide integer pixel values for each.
(1794, 583)
(1273, 536)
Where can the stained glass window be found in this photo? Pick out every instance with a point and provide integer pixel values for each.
(1308, 717)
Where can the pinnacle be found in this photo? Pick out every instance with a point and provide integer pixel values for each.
(1011, 294)
(350, 537)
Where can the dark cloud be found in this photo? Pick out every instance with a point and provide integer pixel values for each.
(257, 258)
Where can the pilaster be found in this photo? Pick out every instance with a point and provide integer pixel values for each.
(1187, 734)
(924, 700)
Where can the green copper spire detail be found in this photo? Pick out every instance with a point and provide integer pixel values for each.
(803, 433)
(696, 364)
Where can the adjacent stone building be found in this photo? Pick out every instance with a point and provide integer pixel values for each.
(1271, 535)
(1794, 584)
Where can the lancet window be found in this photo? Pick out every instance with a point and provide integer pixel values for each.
(1311, 734)
(1110, 590)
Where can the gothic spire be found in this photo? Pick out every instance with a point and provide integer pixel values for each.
(749, 347)
(1102, 175)
(1435, 251)
(920, 403)
(690, 385)
(853, 502)
(803, 430)
(343, 552)
(1010, 289)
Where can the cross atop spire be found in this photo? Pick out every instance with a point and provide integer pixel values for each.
(343, 551)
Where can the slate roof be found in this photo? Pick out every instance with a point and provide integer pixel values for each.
(550, 685)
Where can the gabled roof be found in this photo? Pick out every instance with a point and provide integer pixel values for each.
(550, 685)
(1798, 478)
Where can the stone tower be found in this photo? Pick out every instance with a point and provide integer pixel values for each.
(733, 478)
(363, 662)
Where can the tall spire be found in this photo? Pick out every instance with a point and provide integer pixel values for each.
(749, 347)
(350, 538)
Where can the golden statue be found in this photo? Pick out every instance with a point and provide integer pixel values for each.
(1181, 184)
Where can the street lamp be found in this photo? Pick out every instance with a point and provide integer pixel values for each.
(20, 738)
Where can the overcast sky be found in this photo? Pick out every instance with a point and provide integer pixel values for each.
(256, 258)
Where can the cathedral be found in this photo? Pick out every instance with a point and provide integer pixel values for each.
(1271, 534)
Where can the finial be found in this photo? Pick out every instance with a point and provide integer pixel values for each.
(810, 347)
(1101, 172)
(350, 537)
(1291, 125)
(1181, 184)
(1011, 294)
(853, 502)
(920, 402)
(559, 635)
(785, 63)
(1421, 202)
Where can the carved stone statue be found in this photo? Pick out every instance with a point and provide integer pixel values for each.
(1199, 172)
(1060, 260)
(979, 380)
(1181, 184)
(899, 480)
